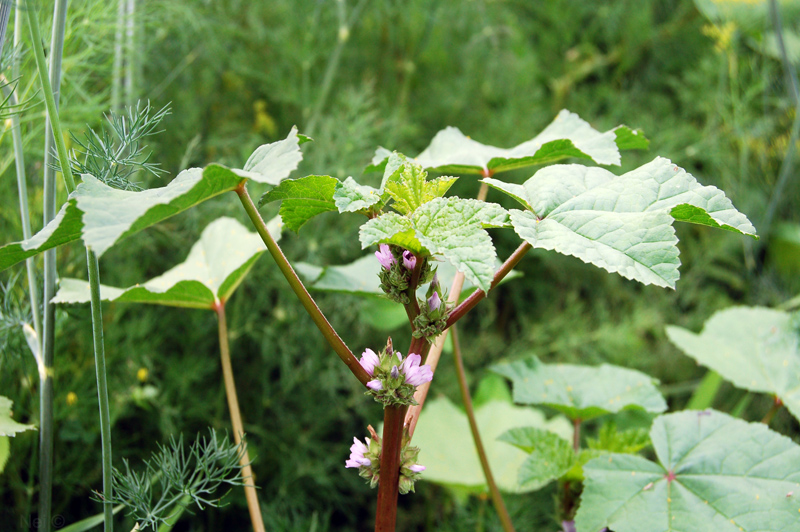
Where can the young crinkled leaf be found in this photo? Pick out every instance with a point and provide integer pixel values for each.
(450, 227)
(102, 215)
(549, 455)
(302, 199)
(567, 136)
(757, 349)
(352, 197)
(216, 265)
(410, 188)
(714, 473)
(582, 392)
(621, 223)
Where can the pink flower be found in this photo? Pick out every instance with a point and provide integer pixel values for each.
(369, 360)
(416, 468)
(434, 302)
(375, 384)
(385, 257)
(357, 451)
(409, 260)
(416, 374)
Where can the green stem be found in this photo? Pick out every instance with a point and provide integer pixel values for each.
(102, 386)
(130, 34)
(497, 499)
(236, 419)
(116, 75)
(776, 405)
(299, 289)
(388, 487)
(59, 22)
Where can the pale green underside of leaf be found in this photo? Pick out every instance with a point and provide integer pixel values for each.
(450, 227)
(9, 427)
(622, 224)
(757, 349)
(567, 136)
(448, 452)
(302, 199)
(102, 216)
(730, 476)
(550, 456)
(583, 392)
(272, 163)
(361, 277)
(5, 449)
(216, 265)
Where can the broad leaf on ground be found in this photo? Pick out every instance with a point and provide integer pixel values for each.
(448, 452)
(714, 473)
(567, 136)
(102, 216)
(582, 392)
(450, 227)
(757, 349)
(9, 427)
(216, 265)
(619, 223)
(302, 199)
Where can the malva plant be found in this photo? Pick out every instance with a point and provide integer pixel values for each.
(620, 223)
(709, 468)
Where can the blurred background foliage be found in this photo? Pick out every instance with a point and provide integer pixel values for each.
(354, 75)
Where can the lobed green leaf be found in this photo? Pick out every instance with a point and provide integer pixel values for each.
(755, 348)
(550, 456)
(302, 199)
(349, 196)
(272, 163)
(714, 472)
(622, 223)
(582, 392)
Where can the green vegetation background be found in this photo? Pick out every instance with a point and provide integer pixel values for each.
(240, 74)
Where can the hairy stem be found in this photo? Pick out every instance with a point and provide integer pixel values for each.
(497, 499)
(389, 483)
(299, 289)
(236, 419)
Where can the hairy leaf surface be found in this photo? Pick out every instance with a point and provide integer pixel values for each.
(621, 223)
(583, 392)
(714, 473)
(756, 348)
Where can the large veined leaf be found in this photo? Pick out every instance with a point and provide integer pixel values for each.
(450, 227)
(216, 265)
(550, 456)
(567, 136)
(9, 427)
(361, 277)
(621, 223)
(302, 199)
(756, 349)
(714, 473)
(582, 392)
(102, 216)
(448, 452)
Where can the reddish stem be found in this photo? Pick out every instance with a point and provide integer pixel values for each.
(389, 481)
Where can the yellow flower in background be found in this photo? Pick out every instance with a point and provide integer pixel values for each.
(722, 35)
(142, 374)
(72, 398)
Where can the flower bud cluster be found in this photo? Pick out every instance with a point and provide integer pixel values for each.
(367, 458)
(394, 379)
(433, 311)
(397, 269)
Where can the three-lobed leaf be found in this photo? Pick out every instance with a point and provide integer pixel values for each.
(216, 265)
(621, 223)
(410, 188)
(567, 136)
(755, 348)
(714, 472)
(582, 392)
